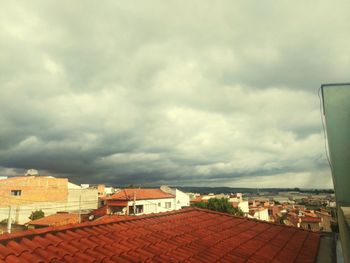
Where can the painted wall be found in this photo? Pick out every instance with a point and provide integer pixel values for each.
(20, 213)
(244, 206)
(39, 193)
(33, 189)
(88, 199)
(155, 205)
(181, 199)
(263, 214)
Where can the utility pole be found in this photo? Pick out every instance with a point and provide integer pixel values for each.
(79, 220)
(9, 221)
(134, 203)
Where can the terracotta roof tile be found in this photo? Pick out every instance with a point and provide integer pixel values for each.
(309, 219)
(56, 220)
(192, 235)
(140, 194)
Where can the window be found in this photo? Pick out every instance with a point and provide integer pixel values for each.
(16, 192)
(159, 204)
(139, 210)
(167, 204)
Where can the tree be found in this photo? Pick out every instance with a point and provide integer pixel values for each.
(220, 205)
(200, 204)
(37, 214)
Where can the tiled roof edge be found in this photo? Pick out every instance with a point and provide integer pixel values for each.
(5, 238)
(138, 199)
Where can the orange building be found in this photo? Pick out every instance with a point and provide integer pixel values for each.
(28, 189)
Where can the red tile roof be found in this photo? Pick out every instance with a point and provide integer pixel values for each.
(309, 219)
(113, 218)
(58, 219)
(192, 235)
(198, 199)
(323, 213)
(140, 194)
(99, 211)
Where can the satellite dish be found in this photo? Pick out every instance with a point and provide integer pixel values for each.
(32, 172)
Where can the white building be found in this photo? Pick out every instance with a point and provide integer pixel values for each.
(243, 205)
(181, 199)
(259, 213)
(142, 201)
(237, 201)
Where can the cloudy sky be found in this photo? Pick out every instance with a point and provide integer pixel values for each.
(199, 93)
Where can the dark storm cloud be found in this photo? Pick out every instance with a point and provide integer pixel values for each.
(180, 93)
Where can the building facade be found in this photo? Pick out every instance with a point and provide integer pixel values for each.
(22, 195)
(140, 201)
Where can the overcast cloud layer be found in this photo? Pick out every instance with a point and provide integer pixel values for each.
(181, 93)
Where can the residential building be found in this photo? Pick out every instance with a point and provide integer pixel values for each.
(310, 223)
(187, 235)
(21, 195)
(140, 201)
(326, 220)
(238, 202)
(182, 200)
(28, 189)
(105, 190)
(259, 213)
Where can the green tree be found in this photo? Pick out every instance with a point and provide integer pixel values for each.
(220, 205)
(200, 204)
(37, 214)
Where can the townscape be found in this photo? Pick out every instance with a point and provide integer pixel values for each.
(33, 201)
(51, 217)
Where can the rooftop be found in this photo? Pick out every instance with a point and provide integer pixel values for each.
(192, 234)
(308, 219)
(140, 194)
(58, 219)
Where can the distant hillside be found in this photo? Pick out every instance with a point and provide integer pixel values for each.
(226, 190)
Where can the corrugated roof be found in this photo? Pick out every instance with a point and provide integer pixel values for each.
(140, 194)
(192, 235)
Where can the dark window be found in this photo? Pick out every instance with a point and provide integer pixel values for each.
(139, 210)
(16, 192)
